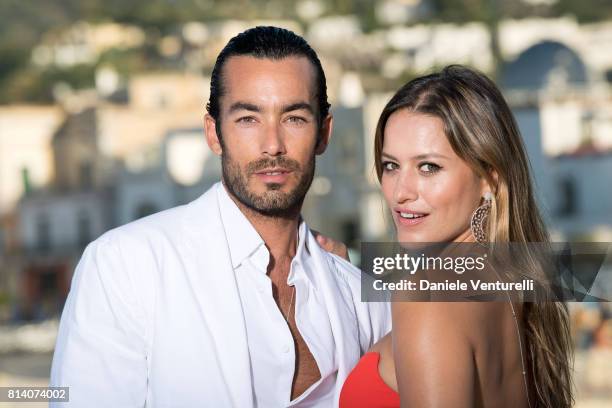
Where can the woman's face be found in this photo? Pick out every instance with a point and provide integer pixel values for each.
(430, 191)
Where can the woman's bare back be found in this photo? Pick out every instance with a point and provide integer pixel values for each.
(485, 331)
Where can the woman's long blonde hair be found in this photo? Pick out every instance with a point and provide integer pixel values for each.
(482, 131)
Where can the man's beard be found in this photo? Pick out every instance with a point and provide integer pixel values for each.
(273, 202)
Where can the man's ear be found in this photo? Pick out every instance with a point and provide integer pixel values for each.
(210, 129)
(324, 134)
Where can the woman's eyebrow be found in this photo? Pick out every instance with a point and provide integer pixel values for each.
(388, 156)
(429, 155)
(418, 157)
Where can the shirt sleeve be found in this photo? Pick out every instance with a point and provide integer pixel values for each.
(380, 321)
(100, 353)
(374, 318)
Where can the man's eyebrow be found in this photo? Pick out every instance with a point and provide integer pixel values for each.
(238, 106)
(298, 106)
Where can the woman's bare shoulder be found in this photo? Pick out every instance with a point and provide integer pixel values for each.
(453, 320)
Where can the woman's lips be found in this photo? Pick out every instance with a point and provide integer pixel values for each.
(409, 222)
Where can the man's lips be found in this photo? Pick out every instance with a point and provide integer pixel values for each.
(273, 175)
(273, 171)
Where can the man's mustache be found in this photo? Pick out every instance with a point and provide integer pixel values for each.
(266, 163)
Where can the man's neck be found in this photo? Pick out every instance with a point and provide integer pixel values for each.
(278, 233)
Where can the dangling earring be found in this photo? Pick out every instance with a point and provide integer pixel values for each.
(478, 223)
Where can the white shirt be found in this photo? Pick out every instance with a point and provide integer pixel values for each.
(155, 318)
(271, 345)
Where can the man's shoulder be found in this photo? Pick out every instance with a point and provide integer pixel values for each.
(164, 223)
(170, 224)
(340, 266)
(374, 317)
(145, 245)
(344, 268)
(352, 275)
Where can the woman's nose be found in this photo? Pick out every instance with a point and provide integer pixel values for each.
(406, 188)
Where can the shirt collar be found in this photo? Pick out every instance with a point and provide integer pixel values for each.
(244, 241)
(301, 260)
(302, 246)
(242, 238)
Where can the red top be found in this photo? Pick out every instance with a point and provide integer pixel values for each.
(364, 388)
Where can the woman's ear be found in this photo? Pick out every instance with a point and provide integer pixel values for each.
(489, 183)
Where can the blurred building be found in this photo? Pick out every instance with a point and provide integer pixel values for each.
(106, 166)
(25, 150)
(421, 47)
(565, 116)
(56, 221)
(84, 42)
(332, 203)
(590, 41)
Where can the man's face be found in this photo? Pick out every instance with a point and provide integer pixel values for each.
(268, 132)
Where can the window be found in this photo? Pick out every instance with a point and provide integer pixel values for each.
(350, 232)
(83, 230)
(43, 233)
(145, 209)
(85, 175)
(567, 197)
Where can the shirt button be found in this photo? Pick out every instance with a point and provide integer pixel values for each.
(286, 349)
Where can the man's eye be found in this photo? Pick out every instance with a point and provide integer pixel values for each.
(429, 168)
(389, 166)
(296, 119)
(246, 119)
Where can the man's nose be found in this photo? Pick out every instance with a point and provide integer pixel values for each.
(273, 143)
(406, 188)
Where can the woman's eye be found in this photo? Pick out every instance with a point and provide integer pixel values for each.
(429, 168)
(389, 166)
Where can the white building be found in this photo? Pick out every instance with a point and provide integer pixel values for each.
(25, 149)
(565, 118)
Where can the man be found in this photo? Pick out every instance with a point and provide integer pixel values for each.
(227, 301)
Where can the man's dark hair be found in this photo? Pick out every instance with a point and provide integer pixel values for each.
(272, 43)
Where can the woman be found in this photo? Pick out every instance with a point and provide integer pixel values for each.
(448, 153)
